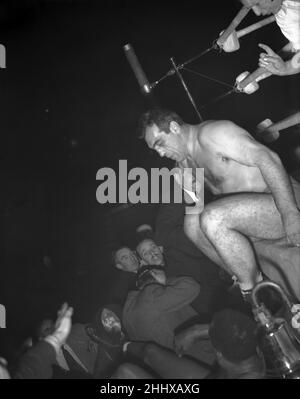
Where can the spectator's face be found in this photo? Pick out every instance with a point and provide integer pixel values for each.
(126, 260)
(110, 320)
(170, 145)
(150, 253)
(263, 7)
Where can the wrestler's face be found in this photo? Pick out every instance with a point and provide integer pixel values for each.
(150, 253)
(170, 145)
(126, 260)
(264, 7)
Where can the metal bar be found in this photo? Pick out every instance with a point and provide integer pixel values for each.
(253, 27)
(186, 88)
(181, 66)
(208, 77)
(251, 78)
(216, 99)
(235, 22)
(287, 122)
(169, 73)
(195, 58)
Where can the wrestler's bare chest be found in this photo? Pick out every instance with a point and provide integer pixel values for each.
(224, 176)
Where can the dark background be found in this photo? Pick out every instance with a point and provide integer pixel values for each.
(69, 106)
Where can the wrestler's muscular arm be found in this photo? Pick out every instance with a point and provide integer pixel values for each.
(224, 138)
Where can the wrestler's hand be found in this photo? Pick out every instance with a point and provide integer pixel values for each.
(272, 61)
(292, 228)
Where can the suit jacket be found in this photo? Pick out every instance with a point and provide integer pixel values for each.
(153, 313)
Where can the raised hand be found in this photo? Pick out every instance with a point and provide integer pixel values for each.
(272, 61)
(63, 326)
(63, 323)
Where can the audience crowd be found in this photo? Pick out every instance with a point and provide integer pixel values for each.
(170, 305)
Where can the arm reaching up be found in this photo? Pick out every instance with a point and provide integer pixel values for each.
(276, 65)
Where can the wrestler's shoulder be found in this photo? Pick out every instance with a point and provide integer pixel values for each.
(215, 127)
(216, 124)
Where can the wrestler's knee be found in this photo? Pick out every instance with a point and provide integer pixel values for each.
(191, 227)
(211, 219)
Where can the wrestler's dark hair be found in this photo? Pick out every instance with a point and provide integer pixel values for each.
(160, 117)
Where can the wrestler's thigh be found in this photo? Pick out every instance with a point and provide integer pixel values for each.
(253, 214)
(192, 229)
(296, 189)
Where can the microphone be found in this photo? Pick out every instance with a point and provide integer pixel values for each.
(137, 69)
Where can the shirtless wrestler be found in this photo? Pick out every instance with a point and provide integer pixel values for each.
(255, 198)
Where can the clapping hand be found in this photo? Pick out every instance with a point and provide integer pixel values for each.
(62, 329)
